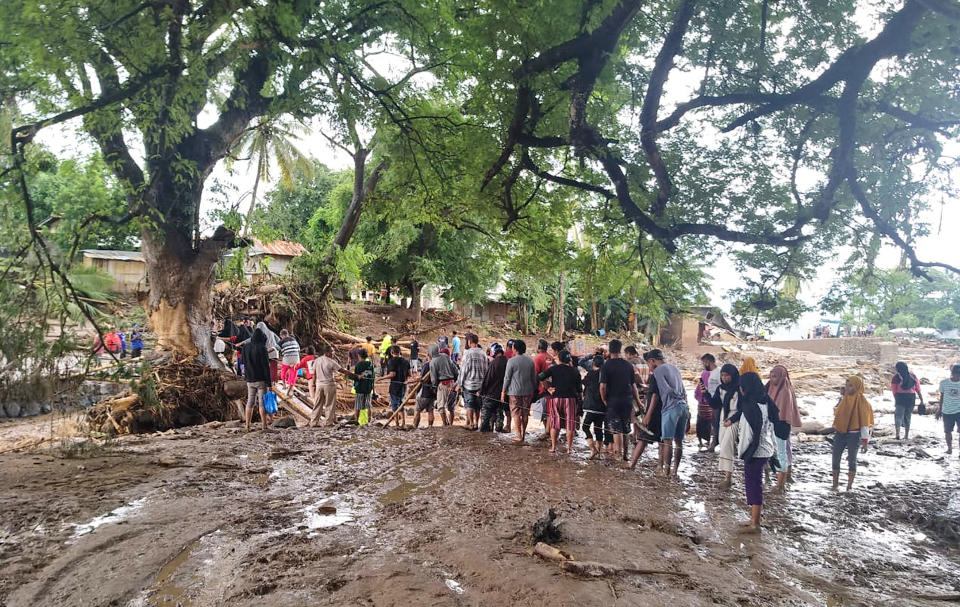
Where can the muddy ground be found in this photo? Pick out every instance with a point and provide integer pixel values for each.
(374, 516)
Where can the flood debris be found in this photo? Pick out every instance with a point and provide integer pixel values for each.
(170, 395)
(546, 529)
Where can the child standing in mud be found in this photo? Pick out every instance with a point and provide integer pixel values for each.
(950, 407)
(363, 377)
(852, 419)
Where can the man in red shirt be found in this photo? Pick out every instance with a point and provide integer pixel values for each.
(541, 362)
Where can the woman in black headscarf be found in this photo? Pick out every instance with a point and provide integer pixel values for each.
(906, 389)
(756, 416)
(724, 402)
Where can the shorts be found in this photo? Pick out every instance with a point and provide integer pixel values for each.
(520, 405)
(618, 416)
(471, 400)
(426, 404)
(950, 420)
(362, 401)
(395, 401)
(673, 423)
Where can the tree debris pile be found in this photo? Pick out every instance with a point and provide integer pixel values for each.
(172, 395)
(294, 304)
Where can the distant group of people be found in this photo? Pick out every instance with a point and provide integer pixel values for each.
(827, 330)
(118, 343)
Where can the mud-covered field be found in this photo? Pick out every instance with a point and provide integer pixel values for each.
(350, 516)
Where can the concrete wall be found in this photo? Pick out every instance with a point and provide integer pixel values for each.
(869, 347)
(681, 332)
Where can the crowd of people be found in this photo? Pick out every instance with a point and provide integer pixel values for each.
(615, 396)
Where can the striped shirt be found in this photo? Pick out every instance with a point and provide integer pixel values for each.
(289, 351)
(473, 368)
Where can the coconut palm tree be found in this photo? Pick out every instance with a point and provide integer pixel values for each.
(272, 140)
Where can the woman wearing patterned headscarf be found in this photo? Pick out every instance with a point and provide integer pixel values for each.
(852, 419)
(780, 390)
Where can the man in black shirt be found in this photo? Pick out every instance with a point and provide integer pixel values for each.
(415, 354)
(398, 370)
(618, 389)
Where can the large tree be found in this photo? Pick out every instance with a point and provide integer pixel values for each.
(167, 88)
(757, 122)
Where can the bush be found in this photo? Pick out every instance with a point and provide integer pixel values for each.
(946, 319)
(904, 321)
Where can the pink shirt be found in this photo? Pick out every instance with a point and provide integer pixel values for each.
(897, 389)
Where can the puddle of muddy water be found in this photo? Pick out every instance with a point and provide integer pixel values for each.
(114, 516)
(181, 581)
(407, 489)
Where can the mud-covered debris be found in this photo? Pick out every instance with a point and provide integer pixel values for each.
(595, 569)
(284, 422)
(551, 553)
(545, 529)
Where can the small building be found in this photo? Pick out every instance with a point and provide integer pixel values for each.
(127, 268)
(269, 258)
(690, 327)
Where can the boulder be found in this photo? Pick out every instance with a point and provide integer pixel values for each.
(30, 409)
(284, 422)
(12, 409)
(814, 427)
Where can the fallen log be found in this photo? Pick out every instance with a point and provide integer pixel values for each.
(294, 406)
(550, 553)
(123, 403)
(434, 327)
(595, 569)
(340, 336)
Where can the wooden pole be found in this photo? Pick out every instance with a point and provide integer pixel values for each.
(410, 393)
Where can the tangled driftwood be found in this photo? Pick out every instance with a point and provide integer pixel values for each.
(170, 395)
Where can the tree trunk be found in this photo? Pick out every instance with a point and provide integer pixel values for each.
(253, 195)
(561, 312)
(415, 303)
(181, 279)
(361, 191)
(594, 317)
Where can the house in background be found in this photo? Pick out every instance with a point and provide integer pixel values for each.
(686, 328)
(269, 258)
(127, 268)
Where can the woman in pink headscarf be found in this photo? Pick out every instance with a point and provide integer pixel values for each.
(780, 390)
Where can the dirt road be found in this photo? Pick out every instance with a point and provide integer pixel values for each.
(381, 517)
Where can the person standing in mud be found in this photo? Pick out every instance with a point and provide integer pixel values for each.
(415, 355)
(427, 398)
(675, 414)
(364, 375)
(492, 411)
(852, 420)
(564, 400)
(398, 370)
(594, 411)
(618, 389)
(702, 393)
(290, 358)
(325, 370)
(649, 429)
(256, 372)
(520, 385)
(756, 416)
(781, 392)
(472, 372)
(443, 373)
(950, 407)
(906, 389)
(725, 403)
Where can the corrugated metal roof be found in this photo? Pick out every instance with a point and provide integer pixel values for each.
(117, 255)
(281, 248)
